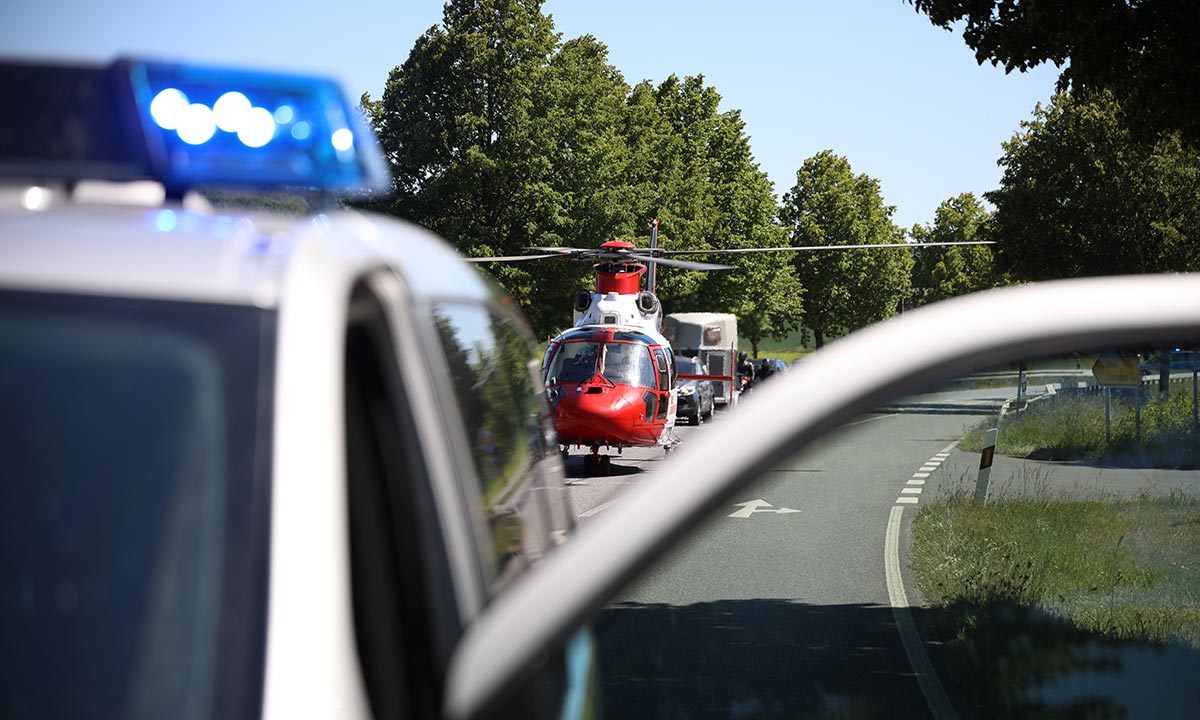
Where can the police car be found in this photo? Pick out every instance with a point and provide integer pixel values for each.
(254, 463)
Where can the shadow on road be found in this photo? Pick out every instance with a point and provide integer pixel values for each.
(776, 658)
(576, 468)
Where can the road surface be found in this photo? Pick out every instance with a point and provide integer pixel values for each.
(780, 606)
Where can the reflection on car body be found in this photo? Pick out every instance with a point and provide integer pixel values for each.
(696, 392)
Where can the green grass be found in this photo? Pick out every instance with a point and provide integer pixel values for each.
(1127, 570)
(1074, 429)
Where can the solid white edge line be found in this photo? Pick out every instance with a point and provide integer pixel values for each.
(931, 686)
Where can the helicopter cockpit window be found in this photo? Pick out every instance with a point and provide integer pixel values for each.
(575, 362)
(628, 364)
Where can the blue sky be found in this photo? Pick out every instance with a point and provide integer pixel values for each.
(870, 79)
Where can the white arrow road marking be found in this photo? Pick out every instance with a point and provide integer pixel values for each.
(750, 507)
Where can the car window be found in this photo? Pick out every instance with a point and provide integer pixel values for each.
(132, 511)
(881, 572)
(491, 364)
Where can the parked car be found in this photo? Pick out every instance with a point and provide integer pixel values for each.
(696, 393)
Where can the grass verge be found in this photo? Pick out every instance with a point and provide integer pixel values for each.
(1121, 570)
(1074, 429)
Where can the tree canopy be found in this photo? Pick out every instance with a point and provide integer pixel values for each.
(944, 272)
(845, 289)
(1081, 195)
(502, 136)
(1143, 51)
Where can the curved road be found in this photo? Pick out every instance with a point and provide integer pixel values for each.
(780, 605)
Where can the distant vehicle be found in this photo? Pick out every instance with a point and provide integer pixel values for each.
(768, 368)
(1178, 361)
(696, 401)
(713, 338)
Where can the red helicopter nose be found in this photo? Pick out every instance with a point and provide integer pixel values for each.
(595, 414)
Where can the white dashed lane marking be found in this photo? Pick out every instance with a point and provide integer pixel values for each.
(908, 495)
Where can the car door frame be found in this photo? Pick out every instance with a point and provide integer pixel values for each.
(846, 379)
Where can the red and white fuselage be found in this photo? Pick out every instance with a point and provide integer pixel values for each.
(612, 377)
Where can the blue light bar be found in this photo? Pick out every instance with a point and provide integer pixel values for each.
(211, 126)
(185, 126)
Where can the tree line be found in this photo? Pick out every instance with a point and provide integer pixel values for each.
(501, 135)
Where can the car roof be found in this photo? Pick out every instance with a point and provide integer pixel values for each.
(231, 256)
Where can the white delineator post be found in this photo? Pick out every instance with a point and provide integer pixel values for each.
(985, 465)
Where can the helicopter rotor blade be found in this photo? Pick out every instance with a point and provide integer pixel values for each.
(747, 251)
(510, 258)
(684, 264)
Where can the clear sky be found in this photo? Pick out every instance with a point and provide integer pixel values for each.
(870, 79)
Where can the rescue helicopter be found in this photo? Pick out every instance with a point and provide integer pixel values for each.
(611, 377)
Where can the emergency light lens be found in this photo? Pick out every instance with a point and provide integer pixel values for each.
(257, 128)
(218, 127)
(343, 140)
(168, 108)
(196, 124)
(230, 111)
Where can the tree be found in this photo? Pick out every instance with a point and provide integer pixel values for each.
(501, 137)
(691, 167)
(1144, 51)
(944, 272)
(830, 205)
(1081, 196)
(458, 122)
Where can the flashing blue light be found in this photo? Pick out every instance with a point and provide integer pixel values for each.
(168, 108)
(342, 140)
(230, 111)
(207, 126)
(257, 128)
(196, 125)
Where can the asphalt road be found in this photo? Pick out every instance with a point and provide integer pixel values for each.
(780, 605)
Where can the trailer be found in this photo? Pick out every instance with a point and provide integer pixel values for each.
(713, 338)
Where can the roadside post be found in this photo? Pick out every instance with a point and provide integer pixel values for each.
(985, 465)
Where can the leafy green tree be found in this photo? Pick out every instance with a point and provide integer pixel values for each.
(501, 137)
(1081, 196)
(691, 167)
(1144, 51)
(944, 272)
(459, 124)
(847, 289)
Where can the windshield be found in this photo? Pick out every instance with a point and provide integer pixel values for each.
(628, 364)
(880, 573)
(574, 362)
(129, 509)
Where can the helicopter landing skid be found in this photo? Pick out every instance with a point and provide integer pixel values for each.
(669, 442)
